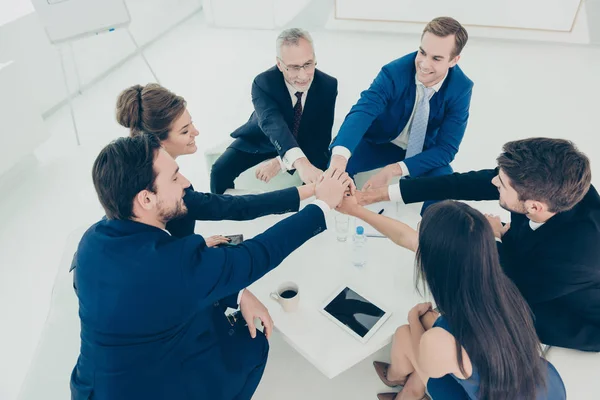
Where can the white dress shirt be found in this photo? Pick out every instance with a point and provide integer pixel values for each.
(293, 154)
(402, 139)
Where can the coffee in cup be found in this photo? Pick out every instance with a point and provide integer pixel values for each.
(288, 296)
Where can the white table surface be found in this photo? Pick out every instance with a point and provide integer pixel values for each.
(321, 266)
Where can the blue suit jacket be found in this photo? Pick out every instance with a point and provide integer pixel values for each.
(384, 109)
(152, 326)
(269, 128)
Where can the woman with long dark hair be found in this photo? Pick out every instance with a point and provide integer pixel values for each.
(483, 343)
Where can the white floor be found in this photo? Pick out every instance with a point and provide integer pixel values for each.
(521, 90)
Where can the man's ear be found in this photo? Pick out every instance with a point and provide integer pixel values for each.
(535, 207)
(454, 61)
(278, 62)
(145, 199)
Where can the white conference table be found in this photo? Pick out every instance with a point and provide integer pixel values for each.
(320, 267)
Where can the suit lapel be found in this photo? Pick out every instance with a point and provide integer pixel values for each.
(436, 102)
(283, 97)
(311, 105)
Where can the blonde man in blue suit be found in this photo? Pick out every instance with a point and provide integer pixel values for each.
(412, 118)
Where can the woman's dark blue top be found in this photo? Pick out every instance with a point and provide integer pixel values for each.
(450, 387)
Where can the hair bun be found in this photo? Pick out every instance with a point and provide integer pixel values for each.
(129, 108)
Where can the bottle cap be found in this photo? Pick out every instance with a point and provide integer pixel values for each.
(360, 230)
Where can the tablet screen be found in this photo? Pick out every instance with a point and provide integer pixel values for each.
(354, 311)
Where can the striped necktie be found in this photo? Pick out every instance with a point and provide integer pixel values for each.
(297, 114)
(418, 128)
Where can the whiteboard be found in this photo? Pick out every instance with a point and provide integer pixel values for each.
(71, 19)
(551, 15)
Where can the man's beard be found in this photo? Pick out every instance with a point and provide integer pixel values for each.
(179, 210)
(520, 210)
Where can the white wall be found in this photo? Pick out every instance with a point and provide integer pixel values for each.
(556, 15)
(21, 130)
(25, 41)
(564, 21)
(256, 14)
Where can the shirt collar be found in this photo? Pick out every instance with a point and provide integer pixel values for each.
(435, 87)
(293, 90)
(535, 225)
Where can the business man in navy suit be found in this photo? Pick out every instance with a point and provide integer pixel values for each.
(291, 124)
(412, 119)
(147, 299)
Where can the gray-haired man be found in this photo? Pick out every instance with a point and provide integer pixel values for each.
(290, 128)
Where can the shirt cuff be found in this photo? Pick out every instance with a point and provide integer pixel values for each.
(341, 151)
(290, 157)
(323, 206)
(281, 164)
(239, 299)
(394, 193)
(405, 171)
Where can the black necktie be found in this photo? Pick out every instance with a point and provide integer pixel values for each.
(297, 114)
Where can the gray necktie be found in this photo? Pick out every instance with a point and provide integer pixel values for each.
(418, 128)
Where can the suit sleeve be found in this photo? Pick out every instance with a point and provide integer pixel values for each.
(214, 207)
(448, 139)
(371, 104)
(211, 274)
(474, 185)
(271, 120)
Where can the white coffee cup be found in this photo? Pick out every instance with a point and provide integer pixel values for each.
(287, 295)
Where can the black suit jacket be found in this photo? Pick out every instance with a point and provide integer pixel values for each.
(556, 267)
(269, 128)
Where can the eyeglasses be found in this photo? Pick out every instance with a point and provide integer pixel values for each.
(295, 69)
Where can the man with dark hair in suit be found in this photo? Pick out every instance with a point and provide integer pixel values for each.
(412, 118)
(551, 247)
(151, 304)
(291, 124)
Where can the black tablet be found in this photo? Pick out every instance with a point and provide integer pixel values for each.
(356, 314)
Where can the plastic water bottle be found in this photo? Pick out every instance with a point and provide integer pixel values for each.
(359, 247)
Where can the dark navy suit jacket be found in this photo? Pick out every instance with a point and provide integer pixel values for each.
(556, 267)
(269, 128)
(151, 323)
(384, 109)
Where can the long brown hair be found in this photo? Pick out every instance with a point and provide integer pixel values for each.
(487, 314)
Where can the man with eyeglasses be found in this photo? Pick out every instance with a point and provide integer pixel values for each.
(290, 128)
(412, 118)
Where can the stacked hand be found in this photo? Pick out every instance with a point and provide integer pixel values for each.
(349, 203)
(338, 162)
(332, 185)
(308, 172)
(383, 177)
(252, 308)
